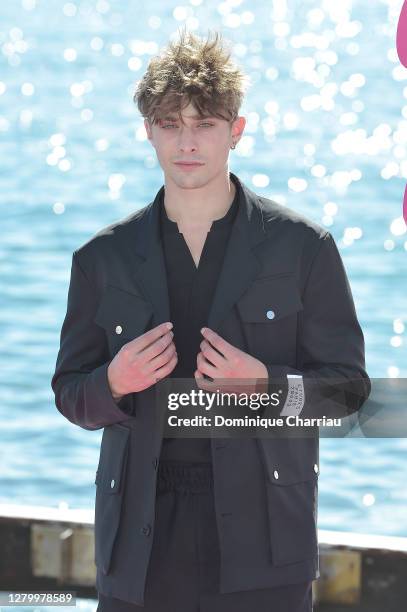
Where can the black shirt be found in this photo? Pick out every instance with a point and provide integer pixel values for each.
(190, 291)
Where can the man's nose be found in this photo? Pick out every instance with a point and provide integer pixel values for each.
(187, 140)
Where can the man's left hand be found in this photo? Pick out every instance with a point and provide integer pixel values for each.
(225, 363)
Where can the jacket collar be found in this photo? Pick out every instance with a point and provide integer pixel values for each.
(240, 265)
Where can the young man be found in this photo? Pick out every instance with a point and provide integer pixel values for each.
(252, 291)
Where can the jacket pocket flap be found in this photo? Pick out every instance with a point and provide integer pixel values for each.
(281, 470)
(285, 474)
(113, 456)
(270, 299)
(120, 310)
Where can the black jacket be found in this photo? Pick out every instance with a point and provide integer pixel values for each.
(283, 296)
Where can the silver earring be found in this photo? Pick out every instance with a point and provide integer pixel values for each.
(233, 145)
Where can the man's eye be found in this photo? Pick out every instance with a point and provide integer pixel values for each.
(173, 125)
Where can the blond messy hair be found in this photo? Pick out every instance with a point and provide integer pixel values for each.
(193, 70)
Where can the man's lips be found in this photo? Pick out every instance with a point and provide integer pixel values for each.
(188, 163)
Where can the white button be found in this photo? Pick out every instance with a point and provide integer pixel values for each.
(315, 468)
(112, 483)
(119, 329)
(275, 474)
(270, 314)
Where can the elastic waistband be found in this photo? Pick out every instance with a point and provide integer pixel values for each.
(184, 476)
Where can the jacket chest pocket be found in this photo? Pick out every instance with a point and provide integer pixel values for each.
(269, 312)
(123, 315)
(110, 484)
(292, 505)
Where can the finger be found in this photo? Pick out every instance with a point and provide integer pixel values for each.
(158, 346)
(212, 354)
(218, 342)
(206, 367)
(152, 335)
(162, 358)
(165, 369)
(203, 383)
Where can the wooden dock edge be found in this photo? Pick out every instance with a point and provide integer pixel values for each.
(53, 548)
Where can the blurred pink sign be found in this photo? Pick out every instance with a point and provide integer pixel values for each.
(401, 43)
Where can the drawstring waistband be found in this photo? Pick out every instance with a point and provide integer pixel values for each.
(184, 476)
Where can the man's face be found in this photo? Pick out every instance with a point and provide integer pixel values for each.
(206, 141)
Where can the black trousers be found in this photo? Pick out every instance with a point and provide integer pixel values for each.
(183, 574)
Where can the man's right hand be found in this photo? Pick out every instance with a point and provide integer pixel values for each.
(142, 362)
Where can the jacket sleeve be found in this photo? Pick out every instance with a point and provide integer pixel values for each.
(331, 380)
(80, 385)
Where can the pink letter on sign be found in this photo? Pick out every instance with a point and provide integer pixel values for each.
(401, 43)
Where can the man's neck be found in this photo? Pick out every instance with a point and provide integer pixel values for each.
(196, 209)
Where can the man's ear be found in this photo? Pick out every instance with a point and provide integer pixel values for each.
(238, 127)
(147, 126)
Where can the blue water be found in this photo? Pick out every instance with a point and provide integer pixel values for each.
(325, 136)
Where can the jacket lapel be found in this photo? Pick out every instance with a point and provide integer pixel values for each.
(151, 275)
(240, 265)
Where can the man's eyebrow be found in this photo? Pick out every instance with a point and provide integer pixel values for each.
(172, 118)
